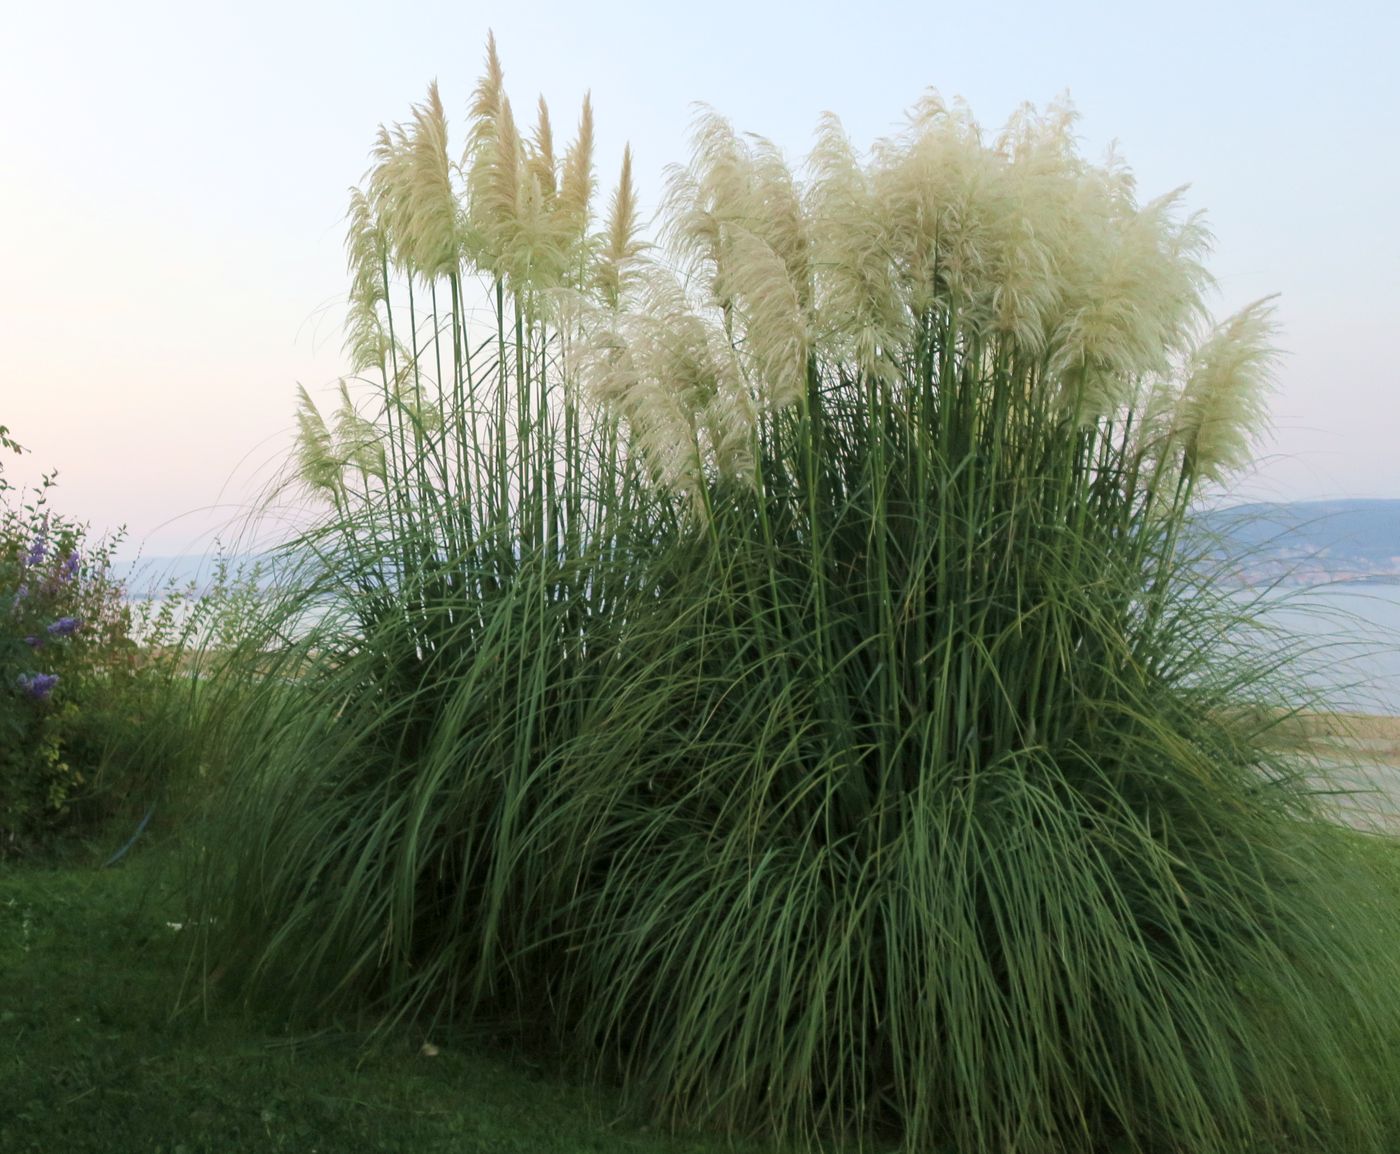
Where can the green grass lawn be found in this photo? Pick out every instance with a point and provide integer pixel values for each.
(96, 1056)
(101, 1051)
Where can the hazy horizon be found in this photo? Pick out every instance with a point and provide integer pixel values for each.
(179, 179)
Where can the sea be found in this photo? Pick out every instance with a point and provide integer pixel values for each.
(1346, 637)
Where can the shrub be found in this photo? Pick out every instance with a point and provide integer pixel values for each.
(99, 700)
(63, 637)
(779, 674)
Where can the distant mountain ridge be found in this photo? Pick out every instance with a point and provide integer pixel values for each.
(1307, 542)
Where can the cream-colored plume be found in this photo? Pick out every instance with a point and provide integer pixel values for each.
(576, 184)
(1222, 405)
(485, 104)
(317, 465)
(358, 441)
(768, 319)
(620, 248)
(387, 182)
(1132, 295)
(860, 313)
(737, 220)
(429, 201)
(366, 258)
(929, 185)
(1019, 257)
(673, 376)
(527, 234)
(1036, 171)
(729, 184)
(541, 164)
(528, 214)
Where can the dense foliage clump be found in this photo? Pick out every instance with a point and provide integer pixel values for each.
(64, 649)
(101, 709)
(772, 668)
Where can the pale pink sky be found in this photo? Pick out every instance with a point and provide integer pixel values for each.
(175, 178)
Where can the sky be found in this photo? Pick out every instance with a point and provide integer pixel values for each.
(175, 178)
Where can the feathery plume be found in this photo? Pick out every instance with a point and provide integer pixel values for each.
(1034, 170)
(736, 211)
(731, 183)
(500, 186)
(365, 248)
(366, 255)
(358, 441)
(540, 163)
(673, 376)
(527, 215)
(576, 185)
(1132, 292)
(522, 241)
(927, 185)
(1221, 408)
(704, 196)
(859, 312)
(1154, 406)
(769, 316)
(388, 181)
(774, 213)
(485, 104)
(317, 466)
(429, 208)
(366, 341)
(620, 247)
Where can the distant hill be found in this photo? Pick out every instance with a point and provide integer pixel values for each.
(1308, 542)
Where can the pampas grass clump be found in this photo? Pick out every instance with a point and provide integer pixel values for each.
(770, 665)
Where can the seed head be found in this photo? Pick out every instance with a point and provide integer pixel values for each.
(620, 248)
(1222, 406)
(541, 155)
(317, 465)
(576, 185)
(429, 201)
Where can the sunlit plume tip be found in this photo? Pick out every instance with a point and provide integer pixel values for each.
(576, 184)
(1222, 406)
(621, 246)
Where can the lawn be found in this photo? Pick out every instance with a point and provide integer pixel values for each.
(108, 1049)
(105, 1049)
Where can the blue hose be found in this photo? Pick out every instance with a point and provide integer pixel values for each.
(131, 841)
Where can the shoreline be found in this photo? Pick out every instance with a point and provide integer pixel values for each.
(1373, 737)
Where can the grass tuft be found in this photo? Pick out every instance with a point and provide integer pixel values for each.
(782, 682)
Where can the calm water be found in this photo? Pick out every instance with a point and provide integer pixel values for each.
(1353, 639)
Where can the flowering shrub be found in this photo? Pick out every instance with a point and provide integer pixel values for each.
(65, 653)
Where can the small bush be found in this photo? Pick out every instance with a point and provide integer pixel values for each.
(99, 702)
(63, 641)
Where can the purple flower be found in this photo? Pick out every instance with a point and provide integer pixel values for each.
(34, 642)
(37, 551)
(21, 593)
(38, 685)
(70, 566)
(65, 627)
